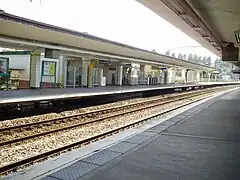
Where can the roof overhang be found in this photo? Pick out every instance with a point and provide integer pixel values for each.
(181, 15)
(23, 33)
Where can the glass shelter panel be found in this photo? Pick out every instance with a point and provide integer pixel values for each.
(70, 76)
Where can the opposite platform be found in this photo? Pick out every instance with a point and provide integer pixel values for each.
(27, 95)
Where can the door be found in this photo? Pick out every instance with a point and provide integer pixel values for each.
(78, 77)
(165, 77)
(70, 76)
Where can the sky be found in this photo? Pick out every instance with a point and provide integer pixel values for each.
(125, 21)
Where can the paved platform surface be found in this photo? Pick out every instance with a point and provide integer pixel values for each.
(24, 95)
(202, 143)
(58, 93)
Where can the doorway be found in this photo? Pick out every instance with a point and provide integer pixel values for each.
(73, 74)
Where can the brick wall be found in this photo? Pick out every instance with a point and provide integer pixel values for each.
(23, 84)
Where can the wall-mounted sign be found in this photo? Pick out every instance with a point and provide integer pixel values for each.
(49, 68)
(104, 62)
(3, 66)
(52, 53)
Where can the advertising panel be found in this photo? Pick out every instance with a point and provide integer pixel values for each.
(49, 68)
(3, 66)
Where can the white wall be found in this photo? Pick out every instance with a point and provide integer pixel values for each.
(190, 76)
(171, 75)
(20, 62)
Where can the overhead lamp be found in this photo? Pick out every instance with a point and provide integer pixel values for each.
(237, 36)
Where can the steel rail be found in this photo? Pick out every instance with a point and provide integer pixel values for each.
(28, 161)
(97, 111)
(20, 139)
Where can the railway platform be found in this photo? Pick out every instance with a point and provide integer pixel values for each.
(34, 95)
(200, 141)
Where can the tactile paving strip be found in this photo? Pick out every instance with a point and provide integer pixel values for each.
(50, 178)
(177, 118)
(167, 123)
(102, 157)
(148, 133)
(122, 147)
(137, 139)
(74, 171)
(158, 128)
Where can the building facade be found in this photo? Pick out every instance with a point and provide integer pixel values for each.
(33, 70)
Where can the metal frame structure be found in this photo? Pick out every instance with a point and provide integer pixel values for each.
(187, 14)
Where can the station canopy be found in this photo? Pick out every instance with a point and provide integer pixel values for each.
(214, 24)
(20, 33)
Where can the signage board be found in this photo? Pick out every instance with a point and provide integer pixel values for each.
(52, 53)
(104, 62)
(49, 68)
(230, 53)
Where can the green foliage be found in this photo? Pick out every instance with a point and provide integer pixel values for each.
(173, 55)
(209, 61)
(190, 57)
(204, 60)
(195, 58)
(199, 60)
(180, 56)
(223, 68)
(167, 53)
(184, 57)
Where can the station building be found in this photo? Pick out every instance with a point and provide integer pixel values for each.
(29, 69)
(60, 57)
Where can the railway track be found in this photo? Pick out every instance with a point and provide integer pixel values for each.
(118, 111)
(19, 133)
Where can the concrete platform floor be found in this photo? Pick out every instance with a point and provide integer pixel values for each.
(24, 95)
(202, 143)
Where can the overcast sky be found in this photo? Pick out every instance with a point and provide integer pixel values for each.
(125, 21)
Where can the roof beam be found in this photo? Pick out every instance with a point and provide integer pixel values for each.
(175, 5)
(196, 28)
(77, 51)
(206, 37)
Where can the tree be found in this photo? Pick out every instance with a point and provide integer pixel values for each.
(216, 63)
(204, 60)
(209, 61)
(154, 50)
(223, 68)
(180, 56)
(173, 55)
(199, 60)
(190, 57)
(167, 53)
(195, 58)
(184, 57)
